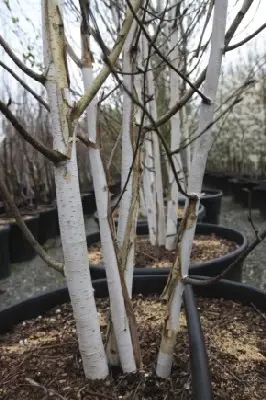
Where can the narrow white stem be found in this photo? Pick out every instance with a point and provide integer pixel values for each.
(165, 357)
(127, 161)
(70, 213)
(159, 201)
(172, 204)
(147, 153)
(199, 161)
(118, 312)
(204, 142)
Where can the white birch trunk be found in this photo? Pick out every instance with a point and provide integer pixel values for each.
(203, 146)
(118, 312)
(159, 200)
(70, 213)
(127, 162)
(148, 178)
(172, 203)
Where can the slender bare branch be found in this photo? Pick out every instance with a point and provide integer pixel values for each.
(259, 238)
(37, 77)
(85, 100)
(247, 39)
(26, 232)
(186, 97)
(52, 155)
(15, 76)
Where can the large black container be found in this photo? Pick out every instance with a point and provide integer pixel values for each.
(240, 191)
(207, 268)
(47, 225)
(88, 203)
(259, 196)
(146, 285)
(218, 180)
(211, 199)
(19, 248)
(5, 269)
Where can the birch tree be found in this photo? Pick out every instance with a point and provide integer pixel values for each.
(142, 128)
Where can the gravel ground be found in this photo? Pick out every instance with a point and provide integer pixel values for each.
(33, 278)
(235, 217)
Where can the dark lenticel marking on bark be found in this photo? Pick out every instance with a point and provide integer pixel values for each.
(205, 248)
(44, 351)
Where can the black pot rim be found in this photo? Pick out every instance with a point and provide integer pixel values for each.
(211, 193)
(217, 229)
(142, 220)
(223, 289)
(4, 228)
(32, 216)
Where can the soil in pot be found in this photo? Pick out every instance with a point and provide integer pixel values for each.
(40, 357)
(205, 248)
(19, 248)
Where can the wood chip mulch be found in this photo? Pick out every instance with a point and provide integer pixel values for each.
(205, 248)
(40, 358)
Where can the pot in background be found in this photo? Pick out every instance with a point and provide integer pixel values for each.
(211, 199)
(206, 268)
(5, 270)
(19, 248)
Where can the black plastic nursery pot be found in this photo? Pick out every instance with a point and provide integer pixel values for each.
(145, 285)
(259, 196)
(2, 208)
(47, 225)
(218, 180)
(88, 203)
(240, 195)
(19, 248)
(5, 269)
(207, 268)
(143, 220)
(211, 199)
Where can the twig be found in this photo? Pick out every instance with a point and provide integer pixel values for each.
(186, 97)
(95, 394)
(205, 99)
(32, 382)
(52, 155)
(113, 150)
(85, 100)
(260, 237)
(258, 311)
(250, 218)
(247, 39)
(26, 232)
(37, 77)
(149, 256)
(15, 76)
